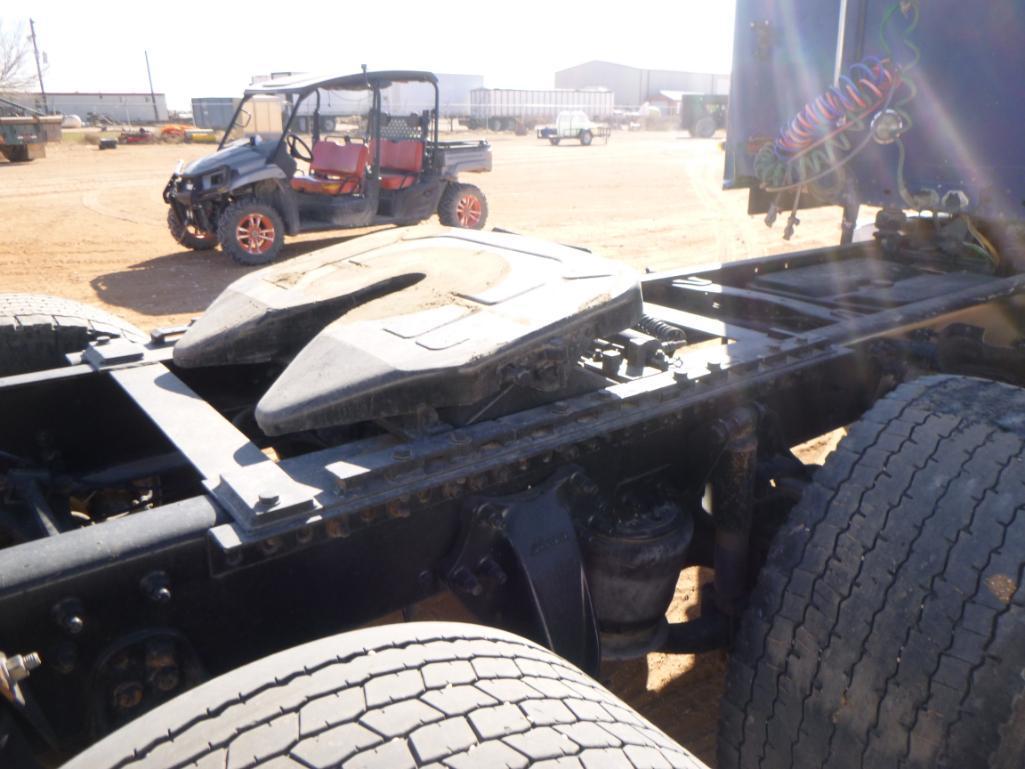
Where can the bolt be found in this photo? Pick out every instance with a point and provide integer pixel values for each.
(397, 509)
(156, 586)
(491, 514)
(271, 545)
(304, 536)
(336, 528)
(403, 452)
(463, 581)
(161, 594)
(489, 567)
(68, 616)
(127, 695)
(267, 498)
(19, 666)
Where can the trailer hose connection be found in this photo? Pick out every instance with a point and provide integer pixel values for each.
(815, 143)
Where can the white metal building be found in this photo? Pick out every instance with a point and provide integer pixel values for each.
(119, 107)
(634, 86)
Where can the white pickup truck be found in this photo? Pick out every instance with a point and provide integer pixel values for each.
(574, 124)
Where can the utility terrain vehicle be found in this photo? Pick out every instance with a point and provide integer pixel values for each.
(368, 161)
(552, 438)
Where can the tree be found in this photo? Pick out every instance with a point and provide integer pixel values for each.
(17, 72)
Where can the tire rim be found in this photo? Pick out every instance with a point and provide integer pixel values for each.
(468, 211)
(255, 233)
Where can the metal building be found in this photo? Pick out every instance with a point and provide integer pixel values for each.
(634, 86)
(214, 112)
(119, 107)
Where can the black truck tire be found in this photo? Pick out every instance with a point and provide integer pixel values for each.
(888, 626)
(37, 331)
(421, 694)
(704, 127)
(586, 137)
(463, 205)
(187, 235)
(16, 153)
(554, 140)
(251, 232)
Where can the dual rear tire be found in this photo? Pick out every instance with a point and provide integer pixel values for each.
(888, 626)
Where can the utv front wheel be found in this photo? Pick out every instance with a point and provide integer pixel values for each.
(888, 625)
(251, 232)
(463, 205)
(189, 235)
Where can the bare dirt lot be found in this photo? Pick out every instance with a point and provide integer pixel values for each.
(90, 225)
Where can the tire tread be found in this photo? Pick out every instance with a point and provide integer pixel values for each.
(875, 589)
(389, 712)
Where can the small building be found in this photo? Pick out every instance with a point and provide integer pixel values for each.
(634, 87)
(118, 107)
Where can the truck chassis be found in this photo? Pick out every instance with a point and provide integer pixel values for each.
(215, 544)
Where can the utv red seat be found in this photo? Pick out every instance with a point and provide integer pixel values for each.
(336, 169)
(401, 163)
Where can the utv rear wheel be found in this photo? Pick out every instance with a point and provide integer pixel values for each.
(251, 232)
(586, 137)
(396, 697)
(37, 331)
(189, 235)
(463, 205)
(888, 625)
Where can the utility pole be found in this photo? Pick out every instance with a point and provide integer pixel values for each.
(39, 69)
(152, 96)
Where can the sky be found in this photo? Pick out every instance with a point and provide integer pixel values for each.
(213, 48)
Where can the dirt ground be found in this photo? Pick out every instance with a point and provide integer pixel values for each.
(90, 225)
